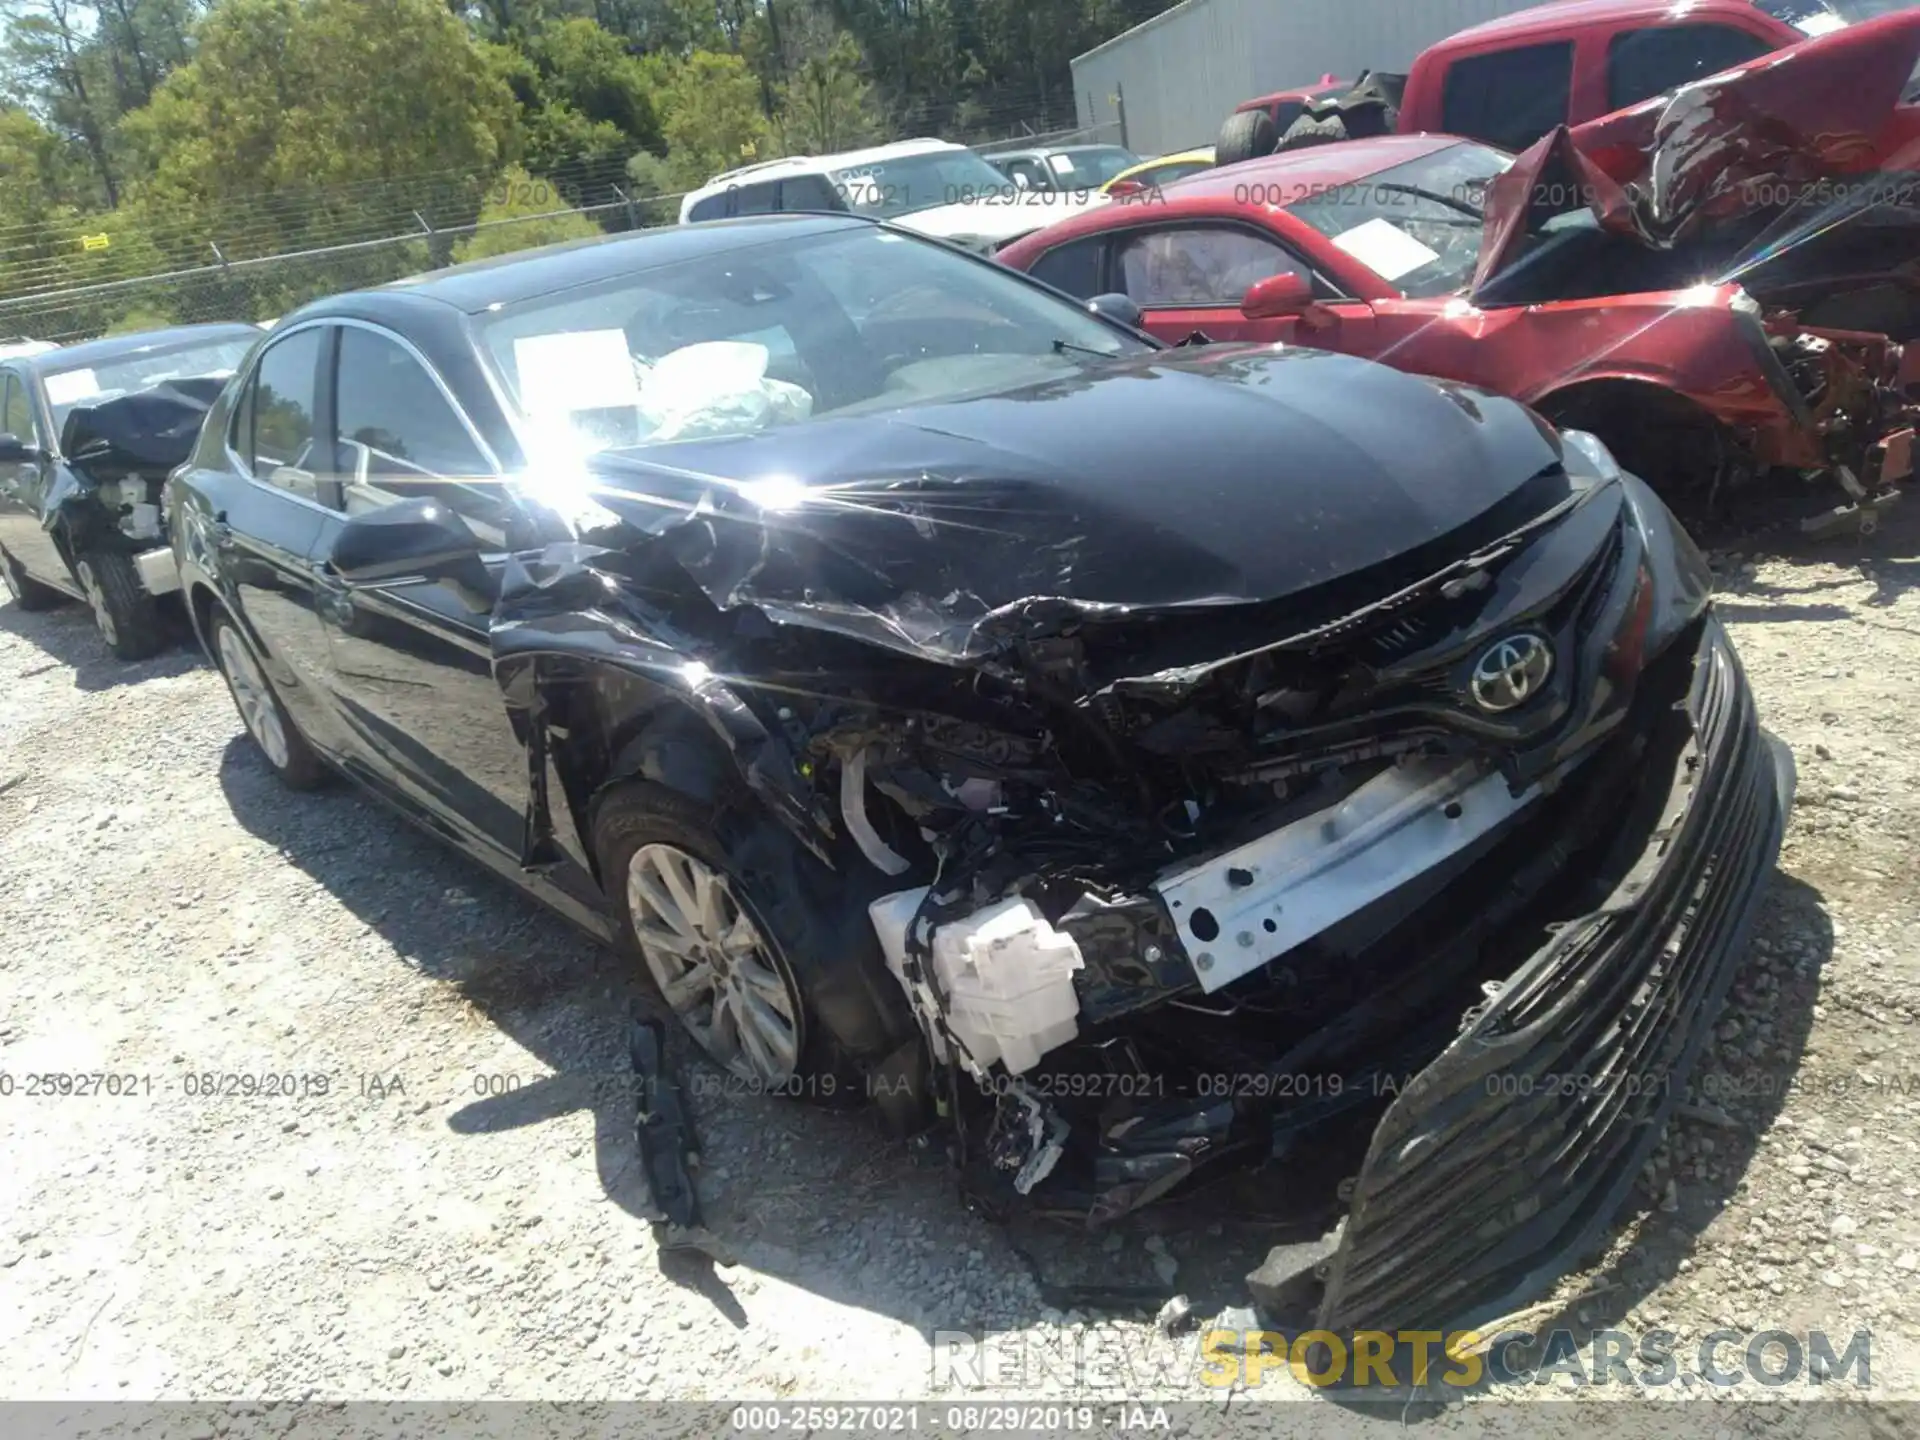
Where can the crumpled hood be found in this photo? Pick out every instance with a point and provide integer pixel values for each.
(1750, 139)
(1000, 217)
(1202, 477)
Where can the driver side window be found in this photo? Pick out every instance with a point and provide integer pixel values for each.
(399, 437)
(1198, 266)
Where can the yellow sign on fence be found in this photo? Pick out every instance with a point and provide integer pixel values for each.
(95, 242)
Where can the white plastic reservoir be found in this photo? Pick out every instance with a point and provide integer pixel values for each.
(1007, 975)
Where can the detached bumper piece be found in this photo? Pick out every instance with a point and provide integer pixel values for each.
(1505, 1159)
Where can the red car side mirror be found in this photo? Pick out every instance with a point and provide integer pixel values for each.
(1277, 297)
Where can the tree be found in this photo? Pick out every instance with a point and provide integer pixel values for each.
(504, 227)
(828, 105)
(288, 102)
(711, 118)
(585, 104)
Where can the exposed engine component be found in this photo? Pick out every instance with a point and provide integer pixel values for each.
(1003, 978)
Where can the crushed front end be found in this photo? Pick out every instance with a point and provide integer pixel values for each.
(1468, 862)
(1854, 400)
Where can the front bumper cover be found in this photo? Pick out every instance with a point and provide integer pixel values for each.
(1504, 1161)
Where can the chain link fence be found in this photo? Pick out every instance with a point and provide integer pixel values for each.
(386, 232)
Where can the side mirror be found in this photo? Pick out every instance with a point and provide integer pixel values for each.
(1120, 189)
(1277, 297)
(15, 451)
(1117, 308)
(413, 537)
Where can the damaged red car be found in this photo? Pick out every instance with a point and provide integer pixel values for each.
(1372, 247)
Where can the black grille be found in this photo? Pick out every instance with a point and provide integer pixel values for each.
(1509, 1154)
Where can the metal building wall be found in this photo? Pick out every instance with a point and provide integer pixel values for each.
(1183, 71)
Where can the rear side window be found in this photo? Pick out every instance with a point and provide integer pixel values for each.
(1509, 98)
(761, 199)
(1641, 63)
(808, 192)
(16, 412)
(714, 207)
(1074, 268)
(277, 416)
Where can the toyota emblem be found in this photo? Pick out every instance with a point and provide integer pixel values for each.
(1511, 672)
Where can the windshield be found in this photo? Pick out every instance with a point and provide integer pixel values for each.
(886, 188)
(856, 320)
(1089, 167)
(139, 370)
(1417, 226)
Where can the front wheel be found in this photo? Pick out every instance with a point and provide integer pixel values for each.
(730, 952)
(280, 741)
(127, 617)
(27, 594)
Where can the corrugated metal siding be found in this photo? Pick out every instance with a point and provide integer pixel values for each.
(1183, 71)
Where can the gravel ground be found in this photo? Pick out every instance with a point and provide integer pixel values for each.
(446, 1205)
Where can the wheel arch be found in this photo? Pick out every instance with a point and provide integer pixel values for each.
(597, 724)
(1636, 417)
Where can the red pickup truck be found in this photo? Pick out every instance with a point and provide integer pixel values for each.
(1509, 81)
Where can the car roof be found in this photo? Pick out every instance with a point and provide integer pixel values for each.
(118, 347)
(525, 274)
(817, 164)
(1314, 166)
(1567, 14)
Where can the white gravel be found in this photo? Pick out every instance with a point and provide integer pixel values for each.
(168, 912)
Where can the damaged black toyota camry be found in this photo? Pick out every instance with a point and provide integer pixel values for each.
(1132, 761)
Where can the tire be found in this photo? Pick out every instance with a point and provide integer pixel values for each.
(1307, 131)
(127, 617)
(1247, 135)
(795, 914)
(27, 594)
(274, 734)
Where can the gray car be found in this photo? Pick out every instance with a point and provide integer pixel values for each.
(88, 434)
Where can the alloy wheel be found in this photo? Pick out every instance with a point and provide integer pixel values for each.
(258, 710)
(97, 598)
(713, 965)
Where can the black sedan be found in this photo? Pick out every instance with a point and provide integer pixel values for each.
(87, 435)
(1137, 759)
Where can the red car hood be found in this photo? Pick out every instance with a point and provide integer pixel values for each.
(1749, 139)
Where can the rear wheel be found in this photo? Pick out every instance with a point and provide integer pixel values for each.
(280, 741)
(1247, 135)
(126, 615)
(27, 594)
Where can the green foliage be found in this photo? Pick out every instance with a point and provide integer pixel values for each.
(141, 317)
(187, 132)
(712, 118)
(828, 105)
(585, 103)
(504, 226)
